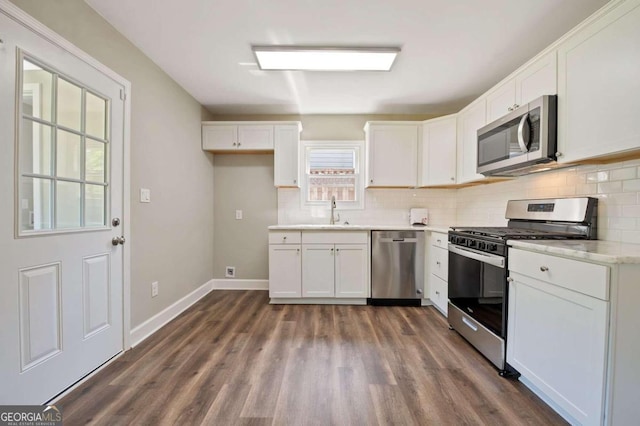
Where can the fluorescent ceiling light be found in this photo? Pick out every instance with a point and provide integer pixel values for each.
(325, 58)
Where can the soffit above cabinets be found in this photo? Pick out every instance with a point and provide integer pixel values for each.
(451, 51)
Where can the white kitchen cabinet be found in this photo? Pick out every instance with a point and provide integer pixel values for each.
(438, 152)
(351, 270)
(534, 80)
(469, 121)
(226, 136)
(572, 334)
(598, 86)
(318, 270)
(392, 154)
(287, 156)
(319, 265)
(285, 274)
(437, 270)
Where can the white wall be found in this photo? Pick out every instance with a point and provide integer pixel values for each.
(617, 187)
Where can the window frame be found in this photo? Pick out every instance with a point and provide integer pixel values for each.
(19, 174)
(358, 146)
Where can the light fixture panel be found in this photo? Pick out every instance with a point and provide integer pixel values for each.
(281, 58)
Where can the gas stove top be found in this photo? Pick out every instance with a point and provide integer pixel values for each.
(506, 233)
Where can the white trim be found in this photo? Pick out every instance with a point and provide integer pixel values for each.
(162, 318)
(222, 284)
(550, 402)
(26, 20)
(316, 301)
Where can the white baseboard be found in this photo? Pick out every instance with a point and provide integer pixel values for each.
(159, 320)
(317, 301)
(233, 284)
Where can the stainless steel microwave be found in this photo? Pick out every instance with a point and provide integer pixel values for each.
(521, 142)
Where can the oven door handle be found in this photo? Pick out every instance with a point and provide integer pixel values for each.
(478, 255)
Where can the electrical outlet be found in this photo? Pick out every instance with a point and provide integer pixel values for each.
(154, 289)
(238, 214)
(230, 272)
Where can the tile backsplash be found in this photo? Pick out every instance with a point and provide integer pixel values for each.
(616, 185)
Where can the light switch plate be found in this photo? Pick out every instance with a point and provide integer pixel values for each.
(238, 214)
(145, 195)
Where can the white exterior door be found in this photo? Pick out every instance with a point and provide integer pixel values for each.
(61, 184)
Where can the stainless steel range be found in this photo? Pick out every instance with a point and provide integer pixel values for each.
(478, 266)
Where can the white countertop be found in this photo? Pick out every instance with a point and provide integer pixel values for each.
(592, 250)
(321, 227)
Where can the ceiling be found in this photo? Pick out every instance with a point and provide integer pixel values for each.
(452, 50)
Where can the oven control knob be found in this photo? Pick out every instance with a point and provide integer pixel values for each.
(492, 247)
(482, 245)
(472, 243)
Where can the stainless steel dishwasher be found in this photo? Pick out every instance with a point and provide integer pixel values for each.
(397, 266)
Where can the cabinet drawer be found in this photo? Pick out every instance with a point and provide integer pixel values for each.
(439, 265)
(284, 237)
(336, 237)
(439, 240)
(438, 293)
(582, 277)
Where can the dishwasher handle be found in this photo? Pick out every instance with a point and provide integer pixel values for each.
(398, 240)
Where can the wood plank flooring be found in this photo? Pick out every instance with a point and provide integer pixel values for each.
(233, 359)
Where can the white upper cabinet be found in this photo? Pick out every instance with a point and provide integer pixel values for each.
(533, 81)
(438, 152)
(469, 121)
(225, 136)
(392, 154)
(286, 156)
(599, 86)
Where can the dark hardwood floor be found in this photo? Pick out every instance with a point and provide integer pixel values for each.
(233, 359)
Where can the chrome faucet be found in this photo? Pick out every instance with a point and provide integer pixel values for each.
(333, 219)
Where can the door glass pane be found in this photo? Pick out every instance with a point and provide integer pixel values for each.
(94, 205)
(68, 155)
(37, 87)
(35, 204)
(69, 105)
(94, 161)
(35, 148)
(68, 205)
(96, 118)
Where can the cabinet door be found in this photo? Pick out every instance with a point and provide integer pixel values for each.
(285, 271)
(469, 122)
(438, 290)
(598, 87)
(500, 100)
(537, 79)
(286, 156)
(352, 266)
(557, 341)
(318, 270)
(392, 156)
(255, 137)
(438, 152)
(219, 137)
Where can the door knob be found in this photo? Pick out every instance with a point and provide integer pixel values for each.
(117, 240)
(115, 221)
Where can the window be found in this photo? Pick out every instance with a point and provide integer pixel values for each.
(333, 169)
(62, 150)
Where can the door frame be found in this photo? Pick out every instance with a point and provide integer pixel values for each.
(35, 26)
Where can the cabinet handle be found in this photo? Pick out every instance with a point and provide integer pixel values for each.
(439, 241)
(238, 143)
(234, 144)
(371, 181)
(558, 154)
(438, 293)
(438, 263)
(453, 178)
(298, 250)
(284, 238)
(516, 106)
(295, 180)
(509, 279)
(544, 268)
(510, 109)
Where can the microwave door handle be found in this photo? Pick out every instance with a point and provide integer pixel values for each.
(524, 132)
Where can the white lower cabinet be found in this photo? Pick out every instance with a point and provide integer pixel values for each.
(318, 270)
(572, 334)
(321, 265)
(438, 270)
